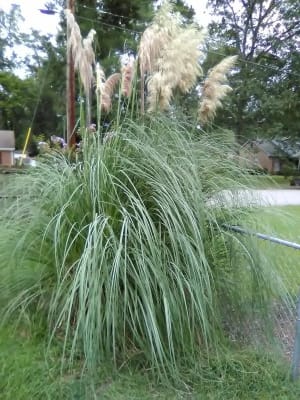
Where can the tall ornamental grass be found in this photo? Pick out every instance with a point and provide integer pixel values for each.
(120, 250)
(123, 254)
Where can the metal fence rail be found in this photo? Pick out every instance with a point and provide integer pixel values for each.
(262, 236)
(295, 368)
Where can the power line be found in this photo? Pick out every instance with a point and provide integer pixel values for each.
(269, 66)
(110, 25)
(104, 12)
(55, 11)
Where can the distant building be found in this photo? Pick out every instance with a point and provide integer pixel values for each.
(273, 155)
(7, 148)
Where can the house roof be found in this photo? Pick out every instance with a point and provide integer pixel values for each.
(288, 146)
(7, 140)
(269, 148)
(280, 148)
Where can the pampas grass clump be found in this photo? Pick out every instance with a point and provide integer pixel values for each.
(123, 256)
(121, 251)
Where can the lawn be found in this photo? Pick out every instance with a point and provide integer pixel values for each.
(27, 374)
(28, 371)
(3, 179)
(269, 182)
(283, 223)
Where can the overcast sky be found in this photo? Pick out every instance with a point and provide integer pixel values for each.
(48, 23)
(33, 18)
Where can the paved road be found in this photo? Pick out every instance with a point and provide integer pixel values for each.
(270, 197)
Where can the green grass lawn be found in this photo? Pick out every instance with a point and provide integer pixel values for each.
(282, 222)
(28, 371)
(269, 182)
(3, 179)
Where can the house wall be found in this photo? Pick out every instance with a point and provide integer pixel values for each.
(6, 158)
(271, 164)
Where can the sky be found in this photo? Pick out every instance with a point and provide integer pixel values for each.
(33, 18)
(49, 24)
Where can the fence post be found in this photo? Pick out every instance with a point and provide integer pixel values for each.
(296, 353)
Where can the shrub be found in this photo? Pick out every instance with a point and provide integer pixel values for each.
(123, 252)
(121, 248)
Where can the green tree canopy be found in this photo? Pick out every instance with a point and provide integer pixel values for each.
(264, 35)
(39, 98)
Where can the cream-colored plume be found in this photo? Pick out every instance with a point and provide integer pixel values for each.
(74, 35)
(82, 51)
(154, 39)
(105, 87)
(215, 89)
(127, 71)
(177, 67)
(108, 90)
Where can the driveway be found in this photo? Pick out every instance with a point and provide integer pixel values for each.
(268, 197)
(278, 197)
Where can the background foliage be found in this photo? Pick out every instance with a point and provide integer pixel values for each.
(265, 36)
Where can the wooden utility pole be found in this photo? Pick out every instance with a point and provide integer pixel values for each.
(70, 88)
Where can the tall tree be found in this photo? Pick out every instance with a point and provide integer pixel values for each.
(40, 97)
(264, 34)
(10, 37)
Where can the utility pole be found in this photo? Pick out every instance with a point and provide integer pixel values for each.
(71, 139)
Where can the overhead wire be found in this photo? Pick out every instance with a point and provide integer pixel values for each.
(104, 12)
(269, 66)
(107, 24)
(82, 6)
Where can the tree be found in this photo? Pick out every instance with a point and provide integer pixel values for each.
(263, 34)
(36, 99)
(10, 36)
(42, 102)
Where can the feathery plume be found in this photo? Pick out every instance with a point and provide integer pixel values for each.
(215, 89)
(100, 79)
(74, 38)
(164, 27)
(88, 48)
(176, 68)
(82, 51)
(155, 38)
(87, 61)
(108, 90)
(127, 77)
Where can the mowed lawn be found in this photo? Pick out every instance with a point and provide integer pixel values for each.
(30, 371)
(283, 223)
(3, 180)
